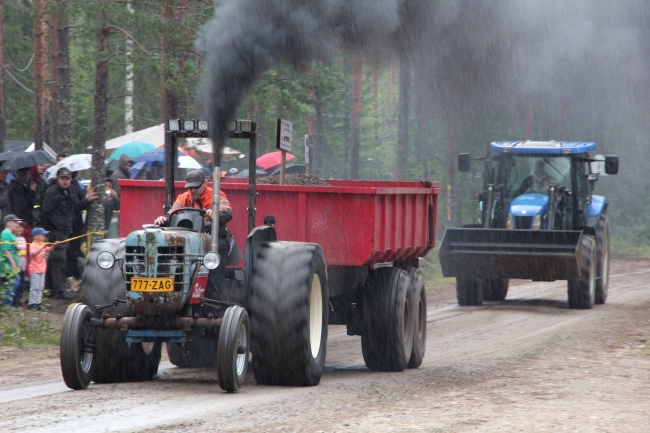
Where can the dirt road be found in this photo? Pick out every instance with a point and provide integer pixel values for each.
(527, 364)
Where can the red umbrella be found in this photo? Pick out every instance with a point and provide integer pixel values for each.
(271, 159)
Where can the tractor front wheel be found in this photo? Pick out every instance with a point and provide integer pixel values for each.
(495, 289)
(232, 350)
(469, 292)
(602, 258)
(77, 347)
(582, 292)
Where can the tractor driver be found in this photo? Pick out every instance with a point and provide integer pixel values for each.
(538, 182)
(199, 196)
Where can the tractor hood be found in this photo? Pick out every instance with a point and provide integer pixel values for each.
(528, 211)
(529, 205)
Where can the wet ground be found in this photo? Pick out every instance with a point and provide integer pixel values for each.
(526, 364)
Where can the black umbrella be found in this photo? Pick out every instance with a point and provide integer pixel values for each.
(4, 156)
(27, 159)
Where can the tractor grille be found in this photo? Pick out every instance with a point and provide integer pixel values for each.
(524, 222)
(171, 263)
(134, 262)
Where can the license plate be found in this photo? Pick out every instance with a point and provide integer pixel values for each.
(152, 284)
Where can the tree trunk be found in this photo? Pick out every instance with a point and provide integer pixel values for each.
(3, 124)
(317, 150)
(422, 120)
(451, 159)
(40, 74)
(128, 96)
(64, 144)
(403, 118)
(375, 107)
(53, 137)
(355, 118)
(96, 209)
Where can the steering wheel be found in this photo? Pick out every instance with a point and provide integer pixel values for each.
(185, 209)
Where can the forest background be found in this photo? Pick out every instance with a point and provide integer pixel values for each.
(480, 72)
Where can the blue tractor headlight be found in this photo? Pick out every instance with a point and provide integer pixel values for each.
(105, 260)
(211, 260)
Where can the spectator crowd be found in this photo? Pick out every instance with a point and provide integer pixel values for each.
(44, 229)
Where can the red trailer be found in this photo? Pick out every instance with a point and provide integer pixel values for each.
(356, 223)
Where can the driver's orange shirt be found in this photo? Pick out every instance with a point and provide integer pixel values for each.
(204, 202)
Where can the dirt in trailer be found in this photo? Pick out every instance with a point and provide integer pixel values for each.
(527, 364)
(293, 179)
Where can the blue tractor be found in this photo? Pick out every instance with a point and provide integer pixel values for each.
(538, 220)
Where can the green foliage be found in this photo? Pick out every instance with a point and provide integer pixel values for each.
(27, 329)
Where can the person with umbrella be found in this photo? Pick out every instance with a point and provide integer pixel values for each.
(22, 196)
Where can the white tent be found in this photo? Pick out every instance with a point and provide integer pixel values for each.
(47, 149)
(154, 135)
(204, 146)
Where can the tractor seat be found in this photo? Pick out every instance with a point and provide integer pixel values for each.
(188, 220)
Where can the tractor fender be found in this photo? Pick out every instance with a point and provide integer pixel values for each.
(596, 208)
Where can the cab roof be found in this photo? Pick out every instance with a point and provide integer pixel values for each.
(544, 147)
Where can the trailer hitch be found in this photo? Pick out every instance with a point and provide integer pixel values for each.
(113, 304)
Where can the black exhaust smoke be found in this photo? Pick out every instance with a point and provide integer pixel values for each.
(246, 37)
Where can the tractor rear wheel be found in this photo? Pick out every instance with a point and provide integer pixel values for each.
(115, 360)
(289, 314)
(387, 338)
(602, 258)
(232, 350)
(419, 313)
(495, 289)
(582, 292)
(77, 351)
(469, 292)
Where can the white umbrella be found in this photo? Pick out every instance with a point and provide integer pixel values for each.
(81, 161)
(188, 162)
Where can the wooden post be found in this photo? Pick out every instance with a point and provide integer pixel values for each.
(283, 163)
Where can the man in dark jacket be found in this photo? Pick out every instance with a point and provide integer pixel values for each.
(22, 196)
(60, 209)
(122, 171)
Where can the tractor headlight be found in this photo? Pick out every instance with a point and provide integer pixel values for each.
(105, 260)
(203, 125)
(173, 125)
(211, 260)
(509, 223)
(537, 222)
(188, 125)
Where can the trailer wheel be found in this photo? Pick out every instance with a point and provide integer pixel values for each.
(602, 258)
(77, 347)
(232, 350)
(495, 289)
(289, 314)
(469, 291)
(419, 313)
(582, 292)
(387, 338)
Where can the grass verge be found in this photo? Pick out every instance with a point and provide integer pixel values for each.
(23, 328)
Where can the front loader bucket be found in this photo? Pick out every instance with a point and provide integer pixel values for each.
(538, 255)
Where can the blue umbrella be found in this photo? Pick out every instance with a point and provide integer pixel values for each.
(156, 155)
(133, 149)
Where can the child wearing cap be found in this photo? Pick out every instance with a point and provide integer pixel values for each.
(37, 267)
(21, 250)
